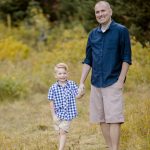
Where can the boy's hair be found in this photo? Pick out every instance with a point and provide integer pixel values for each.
(61, 65)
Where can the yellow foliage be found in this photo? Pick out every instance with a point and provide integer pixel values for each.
(35, 74)
(11, 49)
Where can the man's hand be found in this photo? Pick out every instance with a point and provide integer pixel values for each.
(120, 84)
(82, 87)
(81, 91)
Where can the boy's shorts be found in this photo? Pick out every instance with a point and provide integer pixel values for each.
(106, 104)
(61, 124)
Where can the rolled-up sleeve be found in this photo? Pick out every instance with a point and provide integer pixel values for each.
(126, 53)
(88, 57)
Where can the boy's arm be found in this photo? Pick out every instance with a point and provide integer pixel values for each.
(52, 109)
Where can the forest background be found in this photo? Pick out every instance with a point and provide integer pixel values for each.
(34, 36)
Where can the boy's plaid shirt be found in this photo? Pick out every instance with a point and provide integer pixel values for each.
(64, 98)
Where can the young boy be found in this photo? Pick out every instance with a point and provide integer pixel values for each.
(62, 96)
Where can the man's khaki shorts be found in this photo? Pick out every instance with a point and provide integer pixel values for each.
(106, 104)
(62, 124)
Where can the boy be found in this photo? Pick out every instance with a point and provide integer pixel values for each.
(62, 96)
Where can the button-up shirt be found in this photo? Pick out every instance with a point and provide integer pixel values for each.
(105, 53)
(64, 99)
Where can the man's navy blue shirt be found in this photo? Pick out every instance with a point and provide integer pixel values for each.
(105, 53)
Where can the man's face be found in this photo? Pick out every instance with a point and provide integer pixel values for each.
(103, 13)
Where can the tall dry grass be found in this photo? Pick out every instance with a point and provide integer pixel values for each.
(25, 121)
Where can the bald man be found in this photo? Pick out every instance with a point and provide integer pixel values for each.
(108, 55)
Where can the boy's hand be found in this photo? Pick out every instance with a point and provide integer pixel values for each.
(55, 118)
(81, 91)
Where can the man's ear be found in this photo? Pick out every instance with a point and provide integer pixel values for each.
(111, 11)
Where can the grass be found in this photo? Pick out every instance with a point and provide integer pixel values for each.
(25, 122)
(27, 125)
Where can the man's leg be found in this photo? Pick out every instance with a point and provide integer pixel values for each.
(113, 106)
(106, 133)
(111, 133)
(115, 135)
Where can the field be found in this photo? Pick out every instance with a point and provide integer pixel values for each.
(26, 72)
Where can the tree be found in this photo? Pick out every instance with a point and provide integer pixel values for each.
(15, 8)
(135, 14)
(132, 13)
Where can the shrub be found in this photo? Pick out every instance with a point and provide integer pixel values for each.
(11, 49)
(11, 88)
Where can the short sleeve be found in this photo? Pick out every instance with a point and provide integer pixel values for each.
(51, 93)
(74, 88)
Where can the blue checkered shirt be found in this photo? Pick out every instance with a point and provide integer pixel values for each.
(64, 99)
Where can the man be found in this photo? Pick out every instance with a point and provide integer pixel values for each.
(108, 53)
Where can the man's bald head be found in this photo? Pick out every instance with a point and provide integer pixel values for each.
(103, 3)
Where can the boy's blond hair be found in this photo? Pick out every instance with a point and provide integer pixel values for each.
(61, 65)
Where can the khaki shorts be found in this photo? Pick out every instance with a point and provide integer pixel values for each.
(106, 104)
(61, 124)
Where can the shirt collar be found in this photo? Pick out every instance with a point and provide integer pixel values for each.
(57, 83)
(109, 27)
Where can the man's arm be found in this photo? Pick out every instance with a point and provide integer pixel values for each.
(124, 70)
(85, 71)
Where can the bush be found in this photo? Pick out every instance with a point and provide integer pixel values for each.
(11, 88)
(11, 49)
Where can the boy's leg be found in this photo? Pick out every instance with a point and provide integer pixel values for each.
(62, 139)
(63, 130)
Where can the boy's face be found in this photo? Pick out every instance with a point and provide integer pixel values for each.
(61, 75)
